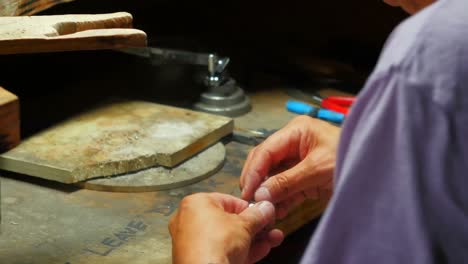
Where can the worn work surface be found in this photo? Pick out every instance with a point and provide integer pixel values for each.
(115, 139)
(68, 32)
(47, 222)
(9, 120)
(200, 166)
(53, 223)
(268, 111)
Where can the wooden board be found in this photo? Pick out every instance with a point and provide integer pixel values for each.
(115, 139)
(9, 120)
(195, 169)
(26, 7)
(68, 32)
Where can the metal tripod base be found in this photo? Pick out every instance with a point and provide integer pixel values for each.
(227, 100)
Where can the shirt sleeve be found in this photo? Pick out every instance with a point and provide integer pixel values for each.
(399, 177)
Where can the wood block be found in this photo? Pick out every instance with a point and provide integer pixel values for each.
(68, 32)
(9, 120)
(26, 7)
(116, 139)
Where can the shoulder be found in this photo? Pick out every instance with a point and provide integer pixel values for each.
(430, 51)
(442, 25)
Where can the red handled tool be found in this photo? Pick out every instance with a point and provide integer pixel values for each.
(340, 104)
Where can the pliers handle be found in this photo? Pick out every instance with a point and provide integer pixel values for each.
(340, 104)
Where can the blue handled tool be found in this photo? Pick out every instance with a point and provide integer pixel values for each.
(305, 109)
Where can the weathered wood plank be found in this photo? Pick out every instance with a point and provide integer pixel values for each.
(68, 32)
(116, 139)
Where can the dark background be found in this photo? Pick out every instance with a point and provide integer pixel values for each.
(345, 30)
(293, 43)
(261, 34)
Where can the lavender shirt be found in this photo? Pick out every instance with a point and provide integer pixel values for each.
(401, 183)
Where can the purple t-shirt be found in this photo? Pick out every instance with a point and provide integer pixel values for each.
(401, 181)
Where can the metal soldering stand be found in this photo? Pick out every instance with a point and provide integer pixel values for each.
(223, 96)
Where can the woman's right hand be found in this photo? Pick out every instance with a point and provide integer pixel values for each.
(294, 164)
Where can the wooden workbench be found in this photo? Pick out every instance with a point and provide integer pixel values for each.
(46, 222)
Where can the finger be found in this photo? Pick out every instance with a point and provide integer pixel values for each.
(257, 217)
(267, 155)
(247, 160)
(258, 250)
(246, 189)
(284, 207)
(321, 193)
(325, 192)
(262, 245)
(275, 237)
(316, 170)
(256, 167)
(172, 224)
(229, 203)
(283, 166)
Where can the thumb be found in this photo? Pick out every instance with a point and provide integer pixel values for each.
(280, 186)
(258, 217)
(315, 170)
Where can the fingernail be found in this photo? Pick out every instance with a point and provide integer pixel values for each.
(262, 194)
(266, 208)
